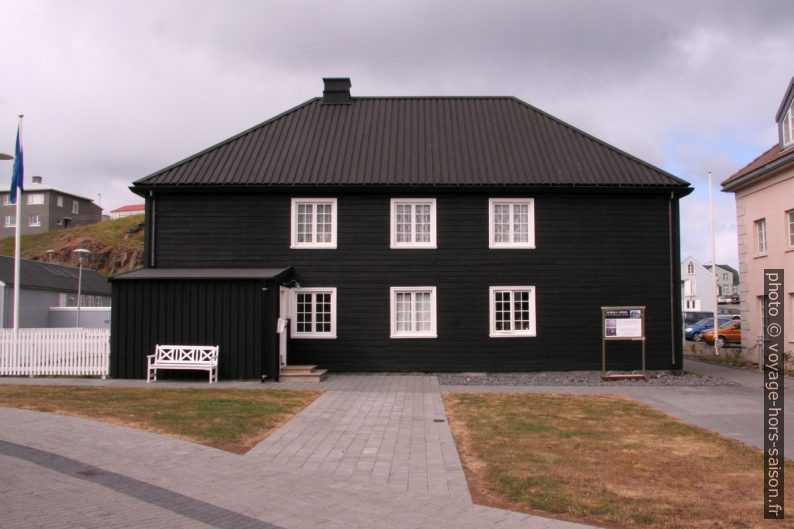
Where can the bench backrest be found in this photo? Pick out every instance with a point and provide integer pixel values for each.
(186, 353)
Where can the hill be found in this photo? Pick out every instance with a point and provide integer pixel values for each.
(115, 245)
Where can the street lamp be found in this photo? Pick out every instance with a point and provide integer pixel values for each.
(81, 254)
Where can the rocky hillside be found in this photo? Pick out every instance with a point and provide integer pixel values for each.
(115, 245)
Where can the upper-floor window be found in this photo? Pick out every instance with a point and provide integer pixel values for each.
(75, 207)
(413, 312)
(313, 223)
(724, 277)
(512, 311)
(35, 199)
(790, 223)
(34, 220)
(511, 223)
(314, 313)
(788, 126)
(760, 236)
(7, 199)
(59, 201)
(690, 268)
(11, 221)
(413, 223)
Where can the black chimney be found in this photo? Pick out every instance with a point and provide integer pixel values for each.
(336, 91)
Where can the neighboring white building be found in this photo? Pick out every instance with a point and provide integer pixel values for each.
(764, 191)
(697, 287)
(127, 211)
(727, 280)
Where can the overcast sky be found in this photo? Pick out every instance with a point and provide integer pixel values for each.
(115, 90)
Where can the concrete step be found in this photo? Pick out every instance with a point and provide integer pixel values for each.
(302, 374)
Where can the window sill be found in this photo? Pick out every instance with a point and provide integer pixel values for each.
(327, 336)
(513, 335)
(760, 256)
(312, 246)
(409, 336)
(494, 246)
(413, 247)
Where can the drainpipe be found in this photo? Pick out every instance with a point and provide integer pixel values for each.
(151, 223)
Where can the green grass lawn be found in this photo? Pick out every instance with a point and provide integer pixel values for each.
(229, 419)
(607, 460)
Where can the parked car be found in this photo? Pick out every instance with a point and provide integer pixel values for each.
(728, 333)
(693, 332)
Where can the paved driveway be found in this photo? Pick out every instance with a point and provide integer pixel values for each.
(373, 451)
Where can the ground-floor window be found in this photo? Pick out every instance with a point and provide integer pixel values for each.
(512, 311)
(413, 312)
(314, 313)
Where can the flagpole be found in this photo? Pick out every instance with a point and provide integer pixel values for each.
(18, 236)
(714, 272)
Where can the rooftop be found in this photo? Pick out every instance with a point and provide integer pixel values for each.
(340, 140)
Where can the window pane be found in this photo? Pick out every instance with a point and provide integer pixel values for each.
(305, 222)
(323, 222)
(520, 223)
(422, 302)
(304, 313)
(403, 309)
(502, 222)
(423, 223)
(502, 311)
(323, 312)
(521, 310)
(403, 221)
(791, 228)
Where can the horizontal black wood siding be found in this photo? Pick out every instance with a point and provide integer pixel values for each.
(592, 249)
(228, 313)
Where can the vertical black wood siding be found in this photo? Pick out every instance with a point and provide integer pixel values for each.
(228, 313)
(593, 249)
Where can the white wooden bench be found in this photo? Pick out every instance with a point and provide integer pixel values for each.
(195, 357)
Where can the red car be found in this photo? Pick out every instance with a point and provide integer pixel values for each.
(729, 333)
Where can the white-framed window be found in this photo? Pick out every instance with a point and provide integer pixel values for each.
(760, 236)
(788, 126)
(11, 221)
(413, 312)
(512, 311)
(790, 224)
(7, 199)
(511, 222)
(413, 223)
(313, 313)
(34, 220)
(59, 201)
(75, 207)
(313, 223)
(690, 268)
(35, 199)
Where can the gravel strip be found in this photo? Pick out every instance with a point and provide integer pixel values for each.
(577, 378)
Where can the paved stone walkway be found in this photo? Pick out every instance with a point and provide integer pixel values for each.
(372, 452)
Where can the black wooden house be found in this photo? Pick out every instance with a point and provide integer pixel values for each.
(404, 234)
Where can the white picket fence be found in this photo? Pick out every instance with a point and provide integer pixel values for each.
(43, 352)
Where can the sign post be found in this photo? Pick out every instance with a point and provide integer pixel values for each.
(622, 323)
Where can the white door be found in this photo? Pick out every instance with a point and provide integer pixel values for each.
(283, 321)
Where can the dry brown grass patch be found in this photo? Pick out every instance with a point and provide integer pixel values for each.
(230, 419)
(606, 460)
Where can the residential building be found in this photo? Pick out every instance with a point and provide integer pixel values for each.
(46, 208)
(697, 288)
(48, 295)
(727, 281)
(764, 191)
(404, 234)
(128, 210)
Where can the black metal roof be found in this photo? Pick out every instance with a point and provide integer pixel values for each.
(413, 141)
(201, 273)
(48, 276)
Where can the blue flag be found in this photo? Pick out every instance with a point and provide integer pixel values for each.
(18, 174)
